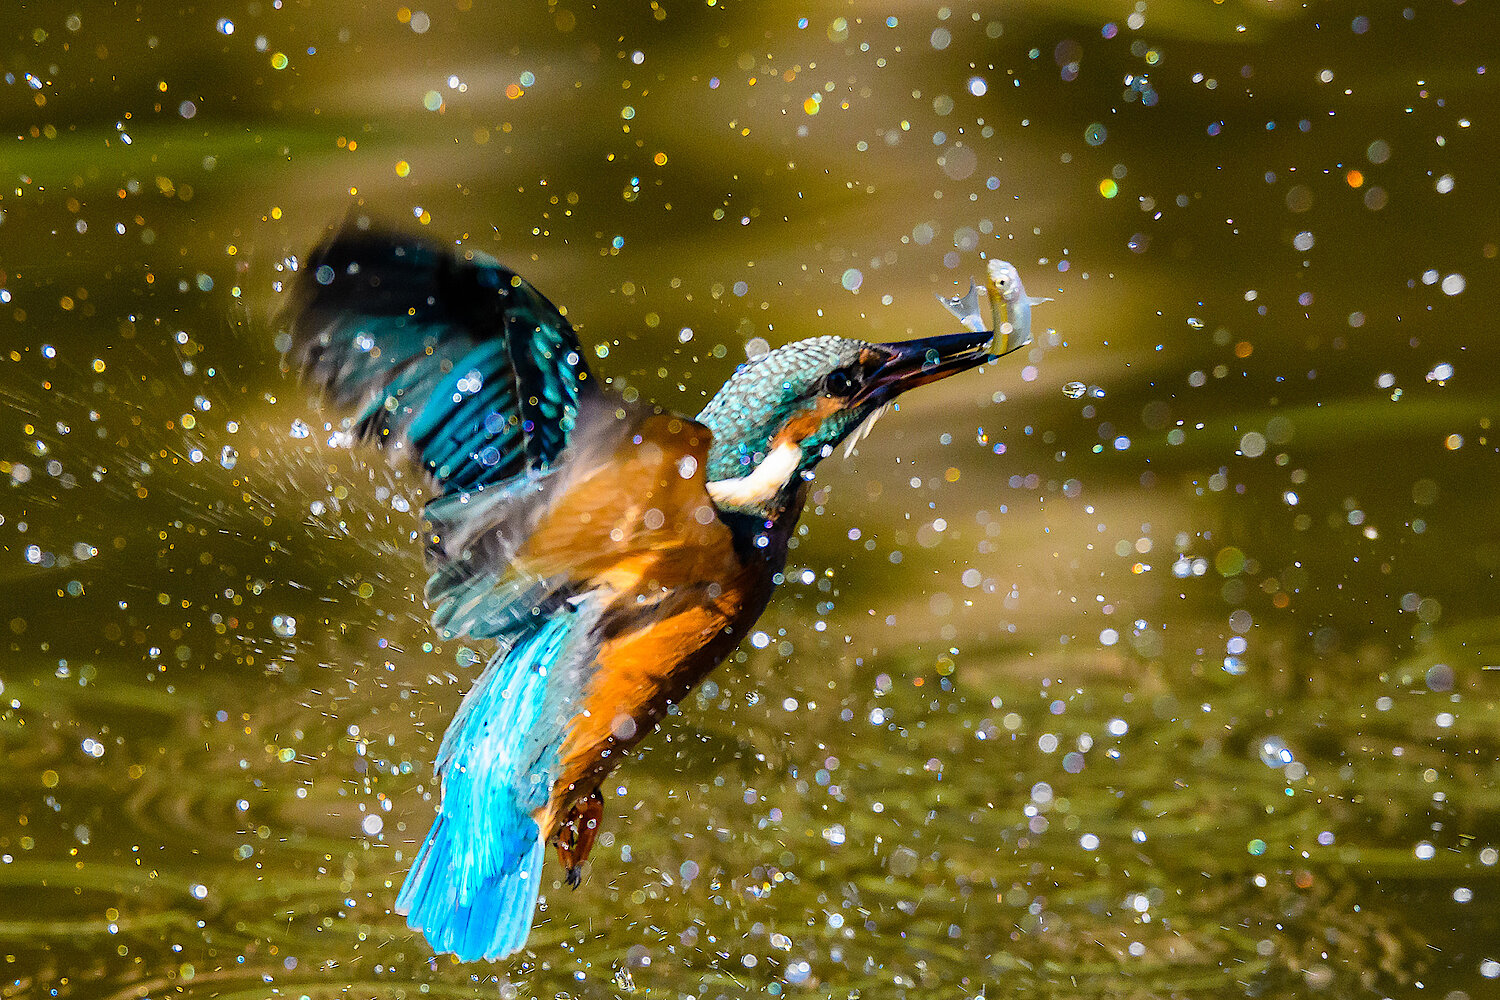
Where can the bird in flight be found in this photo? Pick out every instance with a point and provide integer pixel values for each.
(615, 551)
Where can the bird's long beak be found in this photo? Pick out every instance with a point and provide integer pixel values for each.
(911, 363)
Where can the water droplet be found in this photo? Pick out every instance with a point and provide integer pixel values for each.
(1274, 752)
(1075, 390)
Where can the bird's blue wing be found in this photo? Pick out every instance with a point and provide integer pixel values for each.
(445, 357)
(442, 351)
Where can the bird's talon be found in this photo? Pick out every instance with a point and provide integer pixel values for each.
(575, 837)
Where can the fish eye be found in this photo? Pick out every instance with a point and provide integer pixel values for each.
(840, 383)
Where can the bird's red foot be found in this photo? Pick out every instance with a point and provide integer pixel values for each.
(575, 838)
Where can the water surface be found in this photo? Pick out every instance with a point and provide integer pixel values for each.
(1181, 686)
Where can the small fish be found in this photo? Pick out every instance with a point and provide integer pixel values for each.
(1010, 308)
(1011, 305)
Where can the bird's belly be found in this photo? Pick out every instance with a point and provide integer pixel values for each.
(640, 672)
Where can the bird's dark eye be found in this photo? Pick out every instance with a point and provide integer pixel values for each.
(840, 383)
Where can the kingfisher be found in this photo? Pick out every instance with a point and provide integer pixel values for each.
(614, 551)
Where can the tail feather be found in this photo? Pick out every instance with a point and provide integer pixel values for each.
(493, 922)
(474, 884)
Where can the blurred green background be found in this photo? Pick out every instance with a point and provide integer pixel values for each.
(1177, 682)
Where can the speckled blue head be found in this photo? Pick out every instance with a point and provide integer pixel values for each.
(808, 396)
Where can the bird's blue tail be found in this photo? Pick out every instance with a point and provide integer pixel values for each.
(473, 886)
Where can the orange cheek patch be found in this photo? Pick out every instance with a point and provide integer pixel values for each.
(805, 424)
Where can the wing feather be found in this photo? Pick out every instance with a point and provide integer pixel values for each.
(444, 351)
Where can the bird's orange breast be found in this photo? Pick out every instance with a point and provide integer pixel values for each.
(642, 671)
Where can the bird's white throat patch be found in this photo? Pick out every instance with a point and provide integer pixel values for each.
(760, 485)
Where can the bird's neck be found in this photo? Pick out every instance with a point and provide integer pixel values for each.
(754, 467)
(762, 537)
(745, 425)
